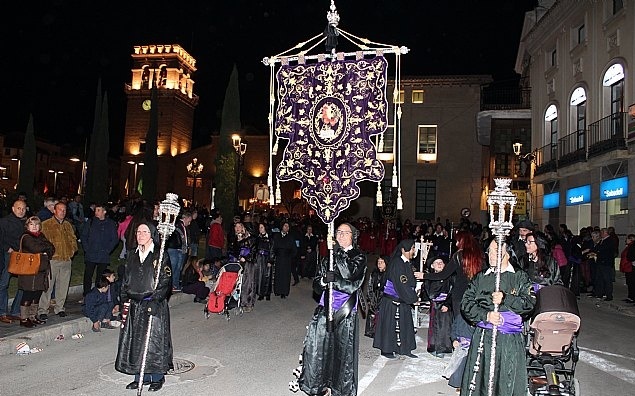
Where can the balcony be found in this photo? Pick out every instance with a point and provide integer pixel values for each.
(607, 135)
(505, 98)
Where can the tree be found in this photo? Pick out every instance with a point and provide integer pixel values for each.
(27, 162)
(100, 190)
(150, 159)
(91, 168)
(226, 159)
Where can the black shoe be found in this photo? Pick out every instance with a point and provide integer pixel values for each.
(283, 296)
(156, 386)
(43, 317)
(390, 355)
(133, 385)
(197, 300)
(608, 299)
(260, 298)
(628, 300)
(268, 298)
(61, 314)
(412, 355)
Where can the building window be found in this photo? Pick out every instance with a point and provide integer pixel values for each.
(427, 143)
(581, 34)
(400, 99)
(389, 138)
(553, 58)
(617, 6)
(425, 199)
(142, 146)
(551, 132)
(417, 96)
(502, 165)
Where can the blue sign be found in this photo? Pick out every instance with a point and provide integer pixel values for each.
(614, 188)
(579, 195)
(550, 201)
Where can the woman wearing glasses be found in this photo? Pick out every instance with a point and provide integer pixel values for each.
(541, 267)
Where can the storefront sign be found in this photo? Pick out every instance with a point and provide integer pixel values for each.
(521, 202)
(579, 195)
(550, 201)
(614, 188)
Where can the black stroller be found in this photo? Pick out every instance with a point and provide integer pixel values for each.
(552, 347)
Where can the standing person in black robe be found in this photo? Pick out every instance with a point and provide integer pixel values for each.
(264, 262)
(372, 295)
(243, 250)
(285, 250)
(441, 315)
(138, 290)
(330, 359)
(395, 331)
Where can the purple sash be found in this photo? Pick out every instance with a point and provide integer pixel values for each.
(389, 289)
(244, 251)
(339, 299)
(441, 297)
(537, 287)
(512, 323)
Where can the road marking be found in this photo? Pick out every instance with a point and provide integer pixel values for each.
(608, 366)
(370, 376)
(607, 353)
(423, 370)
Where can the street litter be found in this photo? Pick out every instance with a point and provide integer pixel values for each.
(22, 349)
(77, 336)
(59, 337)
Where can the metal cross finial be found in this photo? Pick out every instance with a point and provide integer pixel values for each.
(332, 16)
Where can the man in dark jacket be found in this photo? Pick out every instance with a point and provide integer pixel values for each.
(11, 229)
(178, 246)
(99, 239)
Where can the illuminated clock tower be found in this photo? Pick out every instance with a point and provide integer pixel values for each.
(168, 67)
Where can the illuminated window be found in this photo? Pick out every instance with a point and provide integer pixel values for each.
(551, 132)
(142, 146)
(389, 138)
(427, 143)
(401, 97)
(417, 96)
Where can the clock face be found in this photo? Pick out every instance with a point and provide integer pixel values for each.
(466, 212)
(147, 104)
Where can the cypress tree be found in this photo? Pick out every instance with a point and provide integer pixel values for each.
(91, 178)
(26, 177)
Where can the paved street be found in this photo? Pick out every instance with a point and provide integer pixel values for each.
(254, 354)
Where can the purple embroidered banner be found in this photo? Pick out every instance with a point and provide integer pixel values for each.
(329, 111)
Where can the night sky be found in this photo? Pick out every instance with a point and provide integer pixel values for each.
(54, 51)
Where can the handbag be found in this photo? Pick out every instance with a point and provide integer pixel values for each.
(22, 263)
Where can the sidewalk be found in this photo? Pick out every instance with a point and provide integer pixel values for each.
(73, 323)
(619, 293)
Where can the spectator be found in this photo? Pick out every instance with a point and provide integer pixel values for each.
(11, 229)
(76, 213)
(32, 286)
(114, 292)
(194, 278)
(62, 235)
(99, 239)
(47, 210)
(178, 245)
(216, 240)
(627, 260)
(96, 306)
(195, 234)
(285, 250)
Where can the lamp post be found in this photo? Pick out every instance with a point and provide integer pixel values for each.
(136, 165)
(55, 173)
(81, 189)
(194, 169)
(241, 149)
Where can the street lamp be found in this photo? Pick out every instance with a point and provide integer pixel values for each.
(194, 169)
(134, 185)
(82, 183)
(54, 172)
(241, 149)
(17, 178)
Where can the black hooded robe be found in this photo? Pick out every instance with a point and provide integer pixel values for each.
(137, 288)
(330, 359)
(395, 330)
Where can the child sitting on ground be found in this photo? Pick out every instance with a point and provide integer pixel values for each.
(194, 280)
(96, 306)
(113, 293)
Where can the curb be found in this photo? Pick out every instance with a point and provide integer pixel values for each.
(45, 335)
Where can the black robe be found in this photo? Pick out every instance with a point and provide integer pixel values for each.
(264, 257)
(439, 330)
(372, 297)
(395, 329)
(330, 359)
(137, 288)
(285, 250)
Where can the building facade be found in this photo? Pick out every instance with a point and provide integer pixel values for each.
(577, 57)
(442, 161)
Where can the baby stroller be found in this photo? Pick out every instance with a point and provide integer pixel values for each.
(552, 348)
(226, 293)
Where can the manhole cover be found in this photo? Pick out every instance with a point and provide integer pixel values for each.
(180, 366)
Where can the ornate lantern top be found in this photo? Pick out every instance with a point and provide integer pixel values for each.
(497, 201)
(169, 209)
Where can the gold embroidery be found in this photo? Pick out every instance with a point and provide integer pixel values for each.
(403, 279)
(168, 270)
